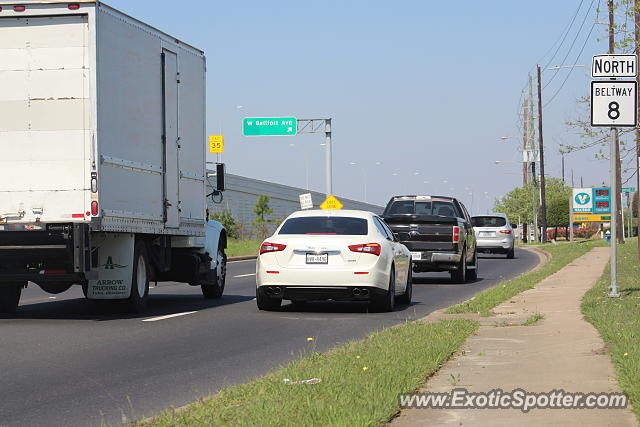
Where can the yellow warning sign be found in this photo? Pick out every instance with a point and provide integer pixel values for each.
(216, 143)
(331, 203)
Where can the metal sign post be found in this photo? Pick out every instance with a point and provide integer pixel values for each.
(614, 104)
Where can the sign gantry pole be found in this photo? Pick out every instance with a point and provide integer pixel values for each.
(321, 126)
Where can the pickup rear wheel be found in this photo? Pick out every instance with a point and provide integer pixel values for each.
(473, 273)
(460, 274)
(10, 297)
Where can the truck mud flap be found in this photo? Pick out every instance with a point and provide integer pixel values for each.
(115, 266)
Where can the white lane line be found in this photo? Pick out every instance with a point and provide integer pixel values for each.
(168, 316)
(244, 260)
(244, 275)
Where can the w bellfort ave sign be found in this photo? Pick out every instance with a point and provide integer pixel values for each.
(613, 102)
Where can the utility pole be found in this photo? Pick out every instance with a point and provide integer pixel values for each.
(563, 181)
(616, 142)
(525, 159)
(525, 137)
(637, 22)
(532, 163)
(543, 201)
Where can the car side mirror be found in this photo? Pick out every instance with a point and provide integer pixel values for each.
(514, 225)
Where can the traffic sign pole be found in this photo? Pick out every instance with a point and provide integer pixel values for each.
(613, 288)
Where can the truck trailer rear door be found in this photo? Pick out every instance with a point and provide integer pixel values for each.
(170, 137)
(44, 118)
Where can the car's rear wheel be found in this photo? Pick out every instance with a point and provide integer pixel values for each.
(387, 301)
(266, 302)
(511, 254)
(406, 297)
(460, 274)
(10, 297)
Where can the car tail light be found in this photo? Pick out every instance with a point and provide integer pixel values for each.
(0, 8)
(456, 234)
(271, 247)
(505, 231)
(94, 208)
(73, 6)
(19, 8)
(367, 248)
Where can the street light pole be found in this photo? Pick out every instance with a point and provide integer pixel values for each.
(543, 201)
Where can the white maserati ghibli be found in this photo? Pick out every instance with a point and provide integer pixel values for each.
(338, 255)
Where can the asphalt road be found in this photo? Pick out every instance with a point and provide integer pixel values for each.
(61, 364)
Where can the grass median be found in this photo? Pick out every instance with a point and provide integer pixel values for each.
(561, 255)
(359, 382)
(243, 247)
(618, 319)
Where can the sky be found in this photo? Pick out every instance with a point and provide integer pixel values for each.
(420, 93)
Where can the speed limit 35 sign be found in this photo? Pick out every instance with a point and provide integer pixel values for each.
(613, 103)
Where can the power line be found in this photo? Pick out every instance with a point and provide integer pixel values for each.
(567, 29)
(572, 44)
(572, 67)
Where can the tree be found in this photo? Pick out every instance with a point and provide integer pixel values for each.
(260, 223)
(518, 203)
(228, 221)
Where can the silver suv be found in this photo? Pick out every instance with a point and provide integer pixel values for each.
(494, 234)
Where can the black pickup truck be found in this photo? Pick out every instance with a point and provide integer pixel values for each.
(438, 232)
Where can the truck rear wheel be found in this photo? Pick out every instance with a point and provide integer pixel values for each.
(10, 297)
(216, 279)
(140, 282)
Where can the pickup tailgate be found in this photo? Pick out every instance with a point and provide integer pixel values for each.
(424, 233)
(45, 138)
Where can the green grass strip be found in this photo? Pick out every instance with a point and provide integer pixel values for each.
(242, 247)
(561, 255)
(360, 382)
(618, 319)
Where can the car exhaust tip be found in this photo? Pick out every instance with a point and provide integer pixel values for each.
(270, 290)
(356, 292)
(365, 292)
(277, 290)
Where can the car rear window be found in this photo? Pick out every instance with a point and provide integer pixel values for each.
(489, 221)
(416, 207)
(325, 225)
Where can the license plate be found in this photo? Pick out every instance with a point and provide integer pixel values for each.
(416, 256)
(317, 258)
(487, 234)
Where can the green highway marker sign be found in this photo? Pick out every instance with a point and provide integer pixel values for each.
(628, 189)
(269, 126)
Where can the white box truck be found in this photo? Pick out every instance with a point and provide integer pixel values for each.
(102, 156)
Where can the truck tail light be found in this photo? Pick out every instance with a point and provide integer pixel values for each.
(271, 247)
(505, 231)
(367, 248)
(73, 6)
(94, 208)
(94, 182)
(19, 8)
(456, 234)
